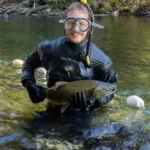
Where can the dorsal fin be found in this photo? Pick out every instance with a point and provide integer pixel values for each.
(58, 84)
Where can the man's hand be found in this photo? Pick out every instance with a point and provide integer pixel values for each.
(79, 100)
(95, 103)
(36, 93)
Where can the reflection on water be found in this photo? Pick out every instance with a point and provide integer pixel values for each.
(24, 125)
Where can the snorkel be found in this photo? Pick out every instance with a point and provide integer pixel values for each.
(88, 50)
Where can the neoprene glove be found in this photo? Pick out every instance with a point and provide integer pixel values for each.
(95, 103)
(37, 93)
(79, 100)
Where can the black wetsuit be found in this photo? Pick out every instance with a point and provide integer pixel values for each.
(65, 61)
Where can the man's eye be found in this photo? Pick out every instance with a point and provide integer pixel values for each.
(82, 24)
(71, 22)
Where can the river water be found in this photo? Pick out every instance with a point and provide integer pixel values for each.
(24, 125)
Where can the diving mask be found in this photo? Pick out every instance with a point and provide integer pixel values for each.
(83, 24)
(75, 24)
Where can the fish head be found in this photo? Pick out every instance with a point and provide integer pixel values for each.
(104, 89)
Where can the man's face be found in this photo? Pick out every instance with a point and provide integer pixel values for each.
(76, 35)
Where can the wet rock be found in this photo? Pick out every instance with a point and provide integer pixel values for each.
(145, 147)
(141, 131)
(9, 138)
(14, 115)
(53, 144)
(3, 115)
(121, 129)
(3, 16)
(129, 145)
(23, 140)
(107, 130)
(115, 13)
(96, 144)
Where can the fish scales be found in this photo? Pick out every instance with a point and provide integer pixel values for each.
(91, 88)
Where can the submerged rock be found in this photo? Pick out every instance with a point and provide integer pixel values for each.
(107, 131)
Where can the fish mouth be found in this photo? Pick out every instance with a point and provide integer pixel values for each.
(110, 90)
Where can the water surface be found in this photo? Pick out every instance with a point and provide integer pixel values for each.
(116, 126)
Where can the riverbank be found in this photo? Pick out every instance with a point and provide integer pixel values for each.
(24, 8)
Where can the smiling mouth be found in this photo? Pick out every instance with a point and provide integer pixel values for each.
(75, 34)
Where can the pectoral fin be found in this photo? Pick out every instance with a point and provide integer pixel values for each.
(63, 108)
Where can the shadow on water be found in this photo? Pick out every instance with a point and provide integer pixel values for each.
(116, 126)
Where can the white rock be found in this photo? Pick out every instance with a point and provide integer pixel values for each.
(136, 101)
(17, 62)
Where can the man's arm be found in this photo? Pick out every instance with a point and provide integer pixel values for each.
(37, 93)
(106, 73)
(30, 64)
(102, 66)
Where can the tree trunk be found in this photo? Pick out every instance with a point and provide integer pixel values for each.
(39, 8)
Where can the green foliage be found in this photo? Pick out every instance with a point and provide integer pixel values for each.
(61, 4)
(93, 3)
(98, 6)
(130, 5)
(107, 6)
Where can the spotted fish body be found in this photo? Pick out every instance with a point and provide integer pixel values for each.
(62, 91)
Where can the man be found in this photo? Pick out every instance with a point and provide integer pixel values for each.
(65, 59)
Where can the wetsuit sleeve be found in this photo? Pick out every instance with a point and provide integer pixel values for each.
(30, 64)
(34, 60)
(106, 73)
(102, 66)
(38, 58)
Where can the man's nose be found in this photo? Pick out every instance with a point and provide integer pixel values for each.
(76, 27)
